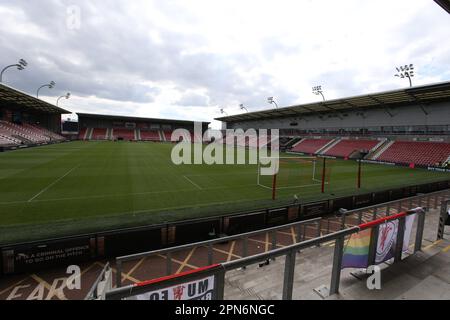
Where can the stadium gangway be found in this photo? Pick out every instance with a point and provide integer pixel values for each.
(289, 252)
(299, 225)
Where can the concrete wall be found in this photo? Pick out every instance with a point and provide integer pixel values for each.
(372, 119)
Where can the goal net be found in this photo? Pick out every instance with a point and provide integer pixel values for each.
(293, 172)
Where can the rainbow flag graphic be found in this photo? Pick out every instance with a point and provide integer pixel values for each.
(356, 252)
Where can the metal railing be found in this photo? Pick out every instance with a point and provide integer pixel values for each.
(102, 285)
(289, 252)
(168, 252)
(431, 200)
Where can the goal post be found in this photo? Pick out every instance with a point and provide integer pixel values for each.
(295, 173)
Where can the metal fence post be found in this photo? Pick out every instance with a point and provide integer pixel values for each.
(360, 217)
(118, 273)
(210, 254)
(337, 265)
(245, 248)
(274, 242)
(169, 263)
(419, 232)
(388, 210)
(442, 219)
(375, 213)
(289, 268)
(343, 221)
(220, 284)
(299, 233)
(373, 245)
(400, 238)
(319, 230)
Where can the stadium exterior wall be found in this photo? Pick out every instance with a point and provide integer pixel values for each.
(437, 114)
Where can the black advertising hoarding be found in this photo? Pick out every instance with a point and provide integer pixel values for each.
(314, 209)
(28, 258)
(363, 200)
(276, 217)
(245, 223)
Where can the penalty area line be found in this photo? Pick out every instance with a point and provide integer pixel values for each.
(53, 183)
(193, 183)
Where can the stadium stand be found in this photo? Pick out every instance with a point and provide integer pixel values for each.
(345, 148)
(125, 134)
(418, 153)
(310, 146)
(82, 134)
(150, 135)
(167, 135)
(99, 134)
(15, 134)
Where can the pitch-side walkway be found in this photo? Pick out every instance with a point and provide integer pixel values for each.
(425, 275)
(312, 271)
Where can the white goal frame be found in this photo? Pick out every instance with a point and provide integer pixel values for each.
(315, 180)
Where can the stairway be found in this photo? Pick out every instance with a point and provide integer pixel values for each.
(328, 146)
(380, 151)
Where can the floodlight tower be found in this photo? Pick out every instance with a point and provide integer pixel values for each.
(271, 100)
(222, 111)
(67, 96)
(51, 85)
(406, 71)
(243, 107)
(317, 90)
(20, 66)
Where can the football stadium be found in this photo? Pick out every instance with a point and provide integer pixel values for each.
(98, 200)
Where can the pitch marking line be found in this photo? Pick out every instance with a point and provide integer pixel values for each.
(53, 183)
(137, 265)
(132, 279)
(186, 261)
(193, 183)
(230, 253)
(13, 286)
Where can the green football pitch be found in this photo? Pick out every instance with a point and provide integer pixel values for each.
(79, 187)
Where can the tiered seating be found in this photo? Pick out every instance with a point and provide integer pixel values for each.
(20, 132)
(310, 146)
(15, 134)
(126, 134)
(345, 148)
(43, 132)
(418, 153)
(6, 140)
(168, 135)
(82, 134)
(99, 134)
(151, 135)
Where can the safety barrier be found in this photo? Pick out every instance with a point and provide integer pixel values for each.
(299, 226)
(102, 285)
(443, 218)
(356, 217)
(209, 282)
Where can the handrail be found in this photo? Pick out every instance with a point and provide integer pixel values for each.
(93, 291)
(214, 241)
(283, 251)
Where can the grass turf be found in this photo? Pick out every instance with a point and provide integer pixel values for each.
(78, 187)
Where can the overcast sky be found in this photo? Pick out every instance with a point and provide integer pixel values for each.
(188, 59)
